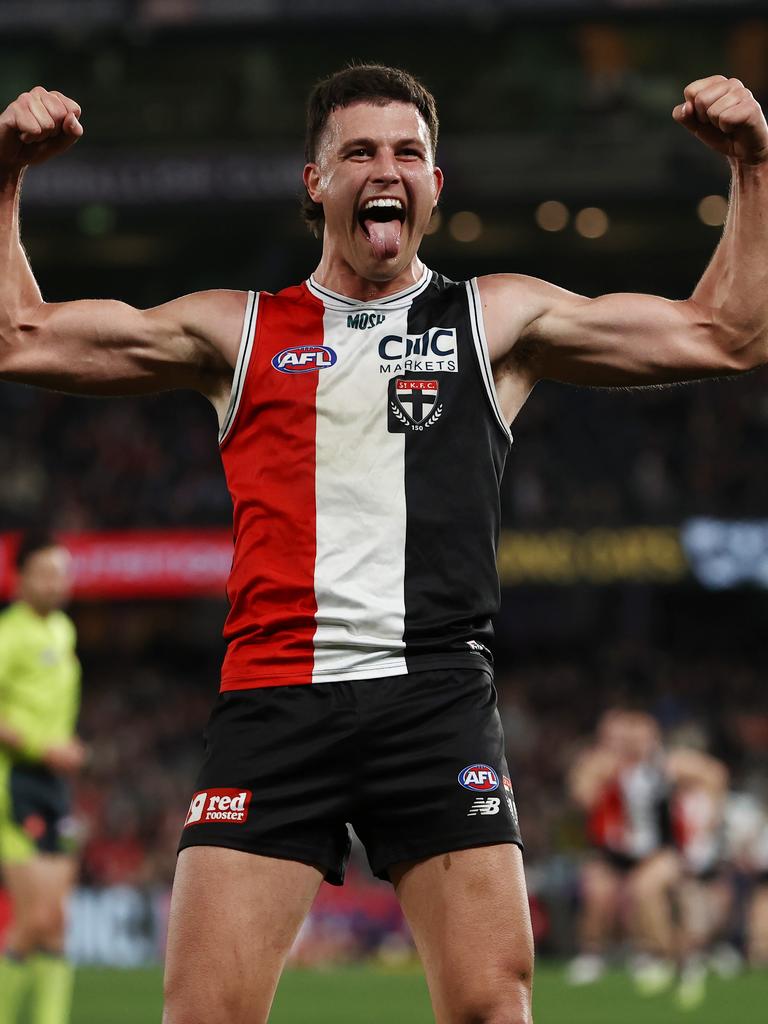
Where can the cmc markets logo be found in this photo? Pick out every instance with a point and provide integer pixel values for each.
(304, 359)
(435, 350)
(229, 805)
(480, 778)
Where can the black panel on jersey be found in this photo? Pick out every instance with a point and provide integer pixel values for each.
(455, 451)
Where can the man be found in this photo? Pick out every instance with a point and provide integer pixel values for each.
(621, 782)
(699, 784)
(39, 700)
(364, 424)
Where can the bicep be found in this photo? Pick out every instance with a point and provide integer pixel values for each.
(106, 347)
(618, 340)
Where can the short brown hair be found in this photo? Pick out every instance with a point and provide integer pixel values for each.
(369, 83)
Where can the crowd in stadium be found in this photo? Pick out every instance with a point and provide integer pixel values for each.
(669, 454)
(144, 753)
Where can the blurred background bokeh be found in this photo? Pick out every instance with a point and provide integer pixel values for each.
(634, 556)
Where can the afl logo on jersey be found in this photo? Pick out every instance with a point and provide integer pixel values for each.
(304, 359)
(480, 778)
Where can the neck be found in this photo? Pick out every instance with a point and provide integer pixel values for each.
(34, 606)
(337, 275)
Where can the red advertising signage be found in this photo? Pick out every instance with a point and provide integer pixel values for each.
(138, 563)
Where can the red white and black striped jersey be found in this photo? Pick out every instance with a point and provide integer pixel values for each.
(631, 815)
(363, 448)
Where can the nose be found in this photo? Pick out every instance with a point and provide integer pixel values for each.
(385, 170)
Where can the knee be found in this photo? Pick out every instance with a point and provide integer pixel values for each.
(503, 1001)
(33, 926)
(184, 1003)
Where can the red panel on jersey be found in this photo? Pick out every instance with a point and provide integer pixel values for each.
(269, 461)
(607, 820)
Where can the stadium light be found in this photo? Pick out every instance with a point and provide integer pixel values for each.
(592, 222)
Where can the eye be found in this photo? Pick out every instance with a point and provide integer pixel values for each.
(361, 151)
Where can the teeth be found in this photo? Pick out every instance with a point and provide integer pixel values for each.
(383, 202)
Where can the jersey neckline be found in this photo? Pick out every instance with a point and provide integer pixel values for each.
(335, 300)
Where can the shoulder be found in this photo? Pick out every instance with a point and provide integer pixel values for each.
(514, 306)
(214, 312)
(209, 322)
(532, 293)
(11, 615)
(65, 625)
(13, 623)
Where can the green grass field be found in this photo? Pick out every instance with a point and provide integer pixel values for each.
(364, 995)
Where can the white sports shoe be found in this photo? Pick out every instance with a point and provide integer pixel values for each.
(652, 975)
(585, 969)
(692, 987)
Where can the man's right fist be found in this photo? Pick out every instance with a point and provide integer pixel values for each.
(36, 126)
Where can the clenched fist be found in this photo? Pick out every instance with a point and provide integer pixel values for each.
(36, 126)
(725, 115)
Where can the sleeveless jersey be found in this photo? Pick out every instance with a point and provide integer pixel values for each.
(631, 816)
(363, 448)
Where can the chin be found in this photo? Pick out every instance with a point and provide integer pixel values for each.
(383, 270)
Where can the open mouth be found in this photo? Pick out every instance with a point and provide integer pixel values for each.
(381, 221)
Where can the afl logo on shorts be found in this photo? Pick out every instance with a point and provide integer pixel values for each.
(304, 359)
(480, 778)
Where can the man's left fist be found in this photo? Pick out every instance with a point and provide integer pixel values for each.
(726, 116)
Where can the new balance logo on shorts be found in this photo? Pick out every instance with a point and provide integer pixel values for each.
(219, 805)
(484, 805)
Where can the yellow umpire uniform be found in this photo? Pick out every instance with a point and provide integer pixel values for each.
(39, 701)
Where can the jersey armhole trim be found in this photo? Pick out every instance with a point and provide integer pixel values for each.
(483, 357)
(241, 366)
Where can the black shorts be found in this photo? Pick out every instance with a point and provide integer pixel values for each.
(622, 862)
(414, 763)
(40, 807)
(626, 862)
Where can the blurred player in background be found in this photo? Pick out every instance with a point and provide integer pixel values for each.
(364, 426)
(39, 701)
(699, 788)
(621, 783)
(746, 832)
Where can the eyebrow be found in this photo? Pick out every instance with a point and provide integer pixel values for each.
(411, 140)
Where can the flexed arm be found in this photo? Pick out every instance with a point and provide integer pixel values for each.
(96, 346)
(538, 330)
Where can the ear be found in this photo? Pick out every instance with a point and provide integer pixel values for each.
(312, 182)
(438, 183)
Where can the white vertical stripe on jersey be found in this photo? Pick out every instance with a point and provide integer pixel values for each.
(241, 366)
(361, 512)
(483, 355)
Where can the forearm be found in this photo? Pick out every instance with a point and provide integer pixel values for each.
(18, 288)
(734, 287)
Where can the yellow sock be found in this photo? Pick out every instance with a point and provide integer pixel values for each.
(14, 979)
(52, 982)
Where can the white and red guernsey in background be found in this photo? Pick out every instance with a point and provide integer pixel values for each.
(632, 814)
(363, 449)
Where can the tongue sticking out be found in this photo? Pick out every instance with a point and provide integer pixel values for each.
(384, 237)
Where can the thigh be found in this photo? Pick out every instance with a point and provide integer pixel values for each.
(234, 917)
(600, 882)
(39, 889)
(468, 912)
(22, 882)
(40, 878)
(434, 775)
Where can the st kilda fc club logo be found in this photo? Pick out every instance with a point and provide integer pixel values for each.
(413, 404)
